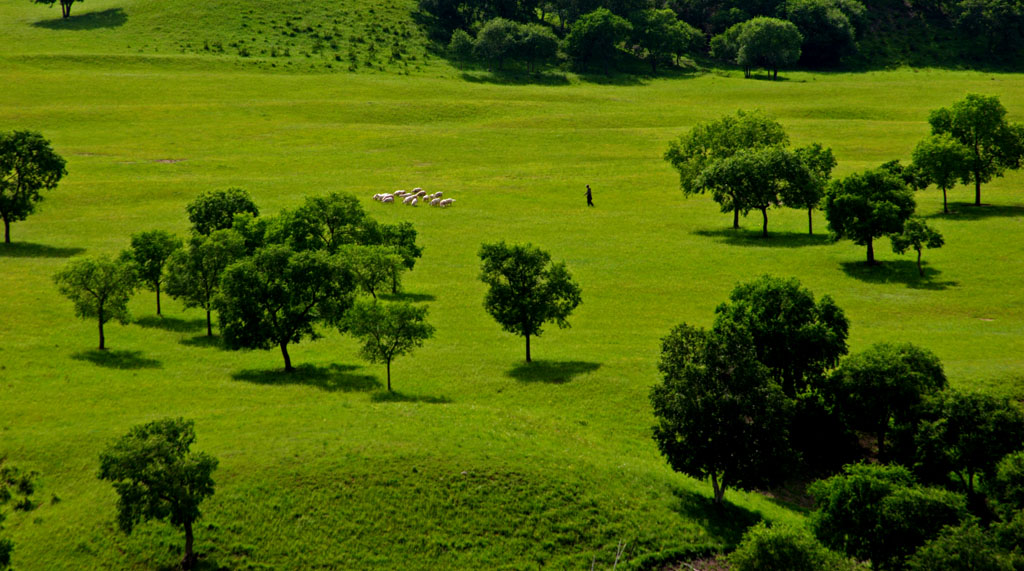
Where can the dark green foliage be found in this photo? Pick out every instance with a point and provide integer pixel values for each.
(720, 415)
(27, 165)
(156, 476)
(65, 6)
(596, 37)
(783, 546)
(216, 209)
(460, 47)
(881, 388)
(387, 330)
(943, 161)
(827, 29)
(662, 35)
(868, 205)
(99, 287)
(496, 41)
(373, 267)
(764, 42)
(194, 272)
(535, 43)
(820, 161)
(797, 338)
(16, 487)
(965, 547)
(150, 252)
(277, 296)
(878, 512)
(1005, 488)
(526, 290)
(996, 25)
(324, 223)
(401, 238)
(916, 235)
(978, 122)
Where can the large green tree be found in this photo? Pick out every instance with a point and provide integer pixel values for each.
(496, 41)
(978, 122)
(194, 272)
(943, 161)
(712, 141)
(387, 330)
(662, 35)
(868, 205)
(149, 252)
(216, 209)
(27, 165)
(99, 288)
(596, 36)
(325, 223)
(277, 297)
(526, 290)
(720, 415)
(157, 476)
(764, 42)
(827, 27)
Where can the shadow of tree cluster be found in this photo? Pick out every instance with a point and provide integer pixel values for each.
(332, 378)
(395, 396)
(26, 250)
(774, 240)
(897, 271)
(555, 372)
(174, 324)
(117, 359)
(110, 18)
(968, 211)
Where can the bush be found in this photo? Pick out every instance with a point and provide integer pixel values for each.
(963, 548)
(781, 547)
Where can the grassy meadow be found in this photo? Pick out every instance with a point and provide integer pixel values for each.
(477, 460)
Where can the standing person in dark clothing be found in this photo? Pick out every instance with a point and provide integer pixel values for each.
(590, 196)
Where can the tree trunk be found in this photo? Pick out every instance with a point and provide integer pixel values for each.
(977, 189)
(527, 347)
(287, 360)
(736, 219)
(871, 252)
(389, 375)
(775, 73)
(189, 560)
(158, 298)
(102, 339)
(764, 227)
(945, 209)
(209, 326)
(810, 221)
(7, 231)
(654, 66)
(920, 270)
(719, 489)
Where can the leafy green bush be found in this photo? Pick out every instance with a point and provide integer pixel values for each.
(783, 546)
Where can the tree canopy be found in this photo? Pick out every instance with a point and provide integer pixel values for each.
(820, 161)
(662, 34)
(216, 209)
(27, 165)
(916, 235)
(149, 252)
(387, 330)
(868, 205)
(99, 288)
(194, 272)
(526, 290)
(157, 476)
(827, 26)
(596, 36)
(943, 161)
(764, 42)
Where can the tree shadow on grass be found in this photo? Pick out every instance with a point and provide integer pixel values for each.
(118, 359)
(203, 340)
(968, 211)
(515, 77)
(555, 372)
(405, 296)
(26, 250)
(175, 324)
(898, 271)
(332, 378)
(395, 396)
(774, 240)
(112, 18)
(725, 523)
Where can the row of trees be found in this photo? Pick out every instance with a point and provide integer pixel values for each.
(766, 392)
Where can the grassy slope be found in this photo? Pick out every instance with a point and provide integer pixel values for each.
(479, 462)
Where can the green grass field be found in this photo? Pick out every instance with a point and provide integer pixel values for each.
(477, 461)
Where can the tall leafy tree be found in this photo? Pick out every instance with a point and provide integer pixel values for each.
(278, 296)
(526, 290)
(828, 31)
(943, 161)
(460, 47)
(536, 43)
(596, 36)
(497, 41)
(27, 165)
(325, 223)
(764, 42)
(719, 413)
(194, 272)
(916, 235)
(978, 122)
(882, 388)
(868, 205)
(662, 34)
(820, 161)
(705, 143)
(401, 237)
(149, 252)
(387, 330)
(797, 338)
(99, 288)
(158, 477)
(216, 209)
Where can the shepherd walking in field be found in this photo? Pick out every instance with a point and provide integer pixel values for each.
(590, 196)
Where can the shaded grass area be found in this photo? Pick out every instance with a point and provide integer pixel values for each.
(117, 359)
(556, 372)
(331, 378)
(898, 272)
(109, 18)
(755, 239)
(27, 250)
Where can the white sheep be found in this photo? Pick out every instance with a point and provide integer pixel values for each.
(438, 194)
(447, 202)
(414, 201)
(417, 189)
(435, 202)
(388, 200)
(408, 199)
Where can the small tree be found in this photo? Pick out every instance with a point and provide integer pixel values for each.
(156, 476)
(193, 273)
(496, 41)
(373, 267)
(216, 209)
(387, 330)
(979, 124)
(783, 546)
(526, 290)
(882, 387)
(277, 296)
(596, 37)
(460, 48)
(826, 26)
(965, 547)
(536, 43)
(942, 161)
(769, 43)
(663, 34)
(99, 287)
(719, 413)
(27, 165)
(149, 252)
(868, 205)
(65, 6)
(820, 161)
(916, 235)
(401, 237)
(325, 223)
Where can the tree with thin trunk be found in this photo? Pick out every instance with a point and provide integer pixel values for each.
(943, 161)
(277, 296)
(916, 235)
(868, 205)
(27, 165)
(978, 122)
(526, 290)
(720, 415)
(387, 330)
(99, 287)
(194, 272)
(149, 252)
(65, 6)
(373, 267)
(157, 476)
(820, 161)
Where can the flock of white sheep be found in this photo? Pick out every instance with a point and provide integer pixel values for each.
(415, 197)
